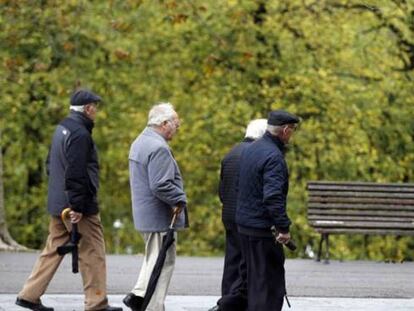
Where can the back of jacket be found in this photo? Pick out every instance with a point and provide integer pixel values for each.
(72, 166)
(263, 186)
(229, 178)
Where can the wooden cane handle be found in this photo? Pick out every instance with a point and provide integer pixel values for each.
(175, 212)
(65, 213)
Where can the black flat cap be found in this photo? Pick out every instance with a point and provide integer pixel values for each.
(84, 97)
(281, 117)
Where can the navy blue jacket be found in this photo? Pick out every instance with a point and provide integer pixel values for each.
(229, 178)
(263, 186)
(72, 166)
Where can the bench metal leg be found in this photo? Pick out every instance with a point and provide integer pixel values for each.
(320, 247)
(324, 237)
(327, 248)
(366, 246)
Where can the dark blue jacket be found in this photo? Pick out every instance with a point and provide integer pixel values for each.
(229, 178)
(72, 166)
(263, 185)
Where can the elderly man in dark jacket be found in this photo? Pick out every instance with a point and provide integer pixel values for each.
(233, 285)
(73, 169)
(263, 189)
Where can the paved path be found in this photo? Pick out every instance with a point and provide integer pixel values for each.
(356, 285)
(201, 276)
(203, 303)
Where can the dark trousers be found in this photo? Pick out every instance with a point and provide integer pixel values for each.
(265, 273)
(233, 286)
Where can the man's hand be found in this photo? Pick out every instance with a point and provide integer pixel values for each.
(283, 238)
(75, 217)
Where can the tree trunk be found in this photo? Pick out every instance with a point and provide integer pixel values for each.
(6, 241)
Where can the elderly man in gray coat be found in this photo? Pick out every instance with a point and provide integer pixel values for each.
(157, 191)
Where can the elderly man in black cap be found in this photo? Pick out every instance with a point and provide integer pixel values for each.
(261, 205)
(233, 285)
(72, 167)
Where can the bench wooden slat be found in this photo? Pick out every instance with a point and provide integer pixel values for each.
(361, 184)
(365, 231)
(314, 218)
(372, 206)
(358, 194)
(363, 213)
(399, 189)
(361, 224)
(361, 200)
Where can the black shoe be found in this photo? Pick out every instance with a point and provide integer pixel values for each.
(133, 302)
(109, 308)
(32, 306)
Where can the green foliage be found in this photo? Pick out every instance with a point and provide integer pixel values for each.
(344, 67)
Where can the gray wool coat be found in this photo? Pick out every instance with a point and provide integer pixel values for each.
(156, 183)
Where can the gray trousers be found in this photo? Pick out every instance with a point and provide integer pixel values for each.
(153, 243)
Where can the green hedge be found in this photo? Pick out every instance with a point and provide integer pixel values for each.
(346, 69)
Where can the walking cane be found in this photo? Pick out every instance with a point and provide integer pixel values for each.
(72, 245)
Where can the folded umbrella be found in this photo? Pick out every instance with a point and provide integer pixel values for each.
(167, 241)
(72, 245)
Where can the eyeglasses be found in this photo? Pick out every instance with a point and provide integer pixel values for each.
(293, 127)
(174, 122)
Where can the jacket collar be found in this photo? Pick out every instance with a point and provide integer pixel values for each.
(80, 118)
(248, 140)
(149, 131)
(276, 140)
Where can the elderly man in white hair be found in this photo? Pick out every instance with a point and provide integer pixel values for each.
(157, 191)
(233, 286)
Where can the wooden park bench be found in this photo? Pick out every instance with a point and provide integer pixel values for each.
(360, 208)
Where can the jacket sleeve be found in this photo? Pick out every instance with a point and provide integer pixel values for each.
(78, 150)
(162, 175)
(220, 188)
(47, 163)
(274, 197)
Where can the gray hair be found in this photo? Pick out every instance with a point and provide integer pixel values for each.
(160, 113)
(78, 108)
(256, 128)
(275, 129)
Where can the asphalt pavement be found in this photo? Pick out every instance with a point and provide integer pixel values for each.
(195, 286)
(204, 303)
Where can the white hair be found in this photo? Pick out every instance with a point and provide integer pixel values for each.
(256, 128)
(160, 113)
(275, 129)
(78, 108)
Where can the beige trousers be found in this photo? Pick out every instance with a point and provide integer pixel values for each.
(153, 243)
(91, 262)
